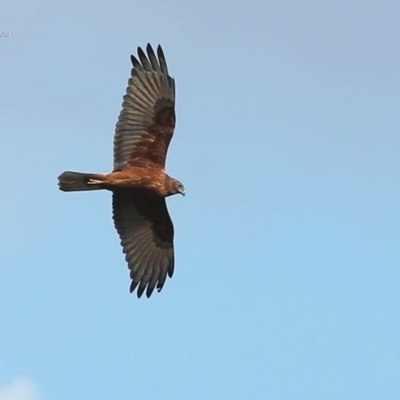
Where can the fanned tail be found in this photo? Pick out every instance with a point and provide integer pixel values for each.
(77, 181)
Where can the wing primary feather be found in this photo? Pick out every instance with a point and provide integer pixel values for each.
(171, 266)
(153, 58)
(142, 86)
(162, 61)
(139, 271)
(171, 84)
(152, 284)
(136, 62)
(144, 60)
(155, 82)
(151, 92)
(151, 270)
(138, 274)
(133, 286)
(137, 263)
(141, 289)
(161, 281)
(149, 291)
(154, 265)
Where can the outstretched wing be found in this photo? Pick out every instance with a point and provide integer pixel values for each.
(146, 123)
(146, 233)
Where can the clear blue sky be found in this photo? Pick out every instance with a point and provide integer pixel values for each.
(287, 242)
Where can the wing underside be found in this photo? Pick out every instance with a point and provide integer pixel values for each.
(147, 119)
(146, 233)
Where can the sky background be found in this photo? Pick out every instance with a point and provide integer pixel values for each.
(287, 243)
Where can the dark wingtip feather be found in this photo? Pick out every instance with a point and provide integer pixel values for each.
(149, 48)
(133, 286)
(141, 53)
(149, 291)
(140, 290)
(161, 280)
(160, 52)
(162, 60)
(144, 60)
(171, 268)
(153, 58)
(135, 62)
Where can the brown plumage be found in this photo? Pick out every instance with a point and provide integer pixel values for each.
(139, 182)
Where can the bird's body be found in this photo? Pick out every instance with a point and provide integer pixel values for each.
(151, 179)
(138, 181)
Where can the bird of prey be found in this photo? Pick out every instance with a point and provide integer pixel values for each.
(138, 182)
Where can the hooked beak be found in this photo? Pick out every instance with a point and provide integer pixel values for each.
(182, 191)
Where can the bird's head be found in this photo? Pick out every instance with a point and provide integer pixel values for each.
(176, 187)
(180, 188)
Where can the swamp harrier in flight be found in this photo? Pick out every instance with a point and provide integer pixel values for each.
(139, 182)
